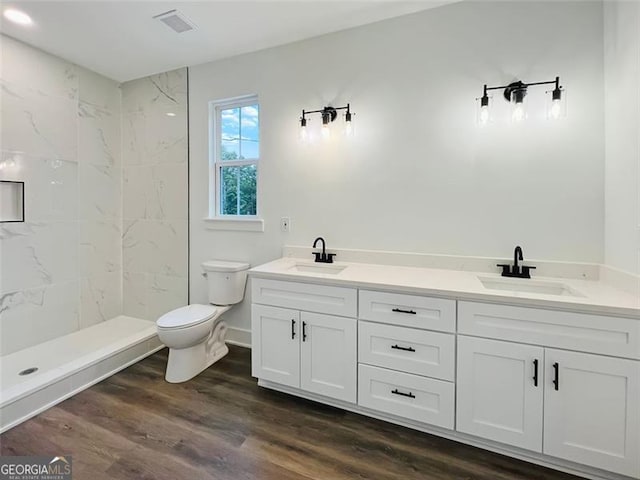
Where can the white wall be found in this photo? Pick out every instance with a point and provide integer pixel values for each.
(61, 269)
(622, 135)
(420, 175)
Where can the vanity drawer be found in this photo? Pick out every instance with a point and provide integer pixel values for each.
(408, 310)
(417, 398)
(431, 354)
(619, 337)
(305, 296)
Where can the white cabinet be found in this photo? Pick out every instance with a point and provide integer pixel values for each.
(499, 394)
(592, 410)
(275, 353)
(431, 354)
(328, 356)
(417, 398)
(314, 352)
(408, 310)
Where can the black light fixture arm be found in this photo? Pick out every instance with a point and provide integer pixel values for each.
(329, 114)
(520, 86)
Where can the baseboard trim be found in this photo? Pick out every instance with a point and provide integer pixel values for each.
(532, 457)
(238, 336)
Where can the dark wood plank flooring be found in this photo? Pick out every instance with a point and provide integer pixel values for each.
(221, 425)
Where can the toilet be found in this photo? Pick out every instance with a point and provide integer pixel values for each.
(195, 334)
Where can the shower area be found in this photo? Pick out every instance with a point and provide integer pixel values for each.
(93, 223)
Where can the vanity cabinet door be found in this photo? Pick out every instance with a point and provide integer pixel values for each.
(498, 396)
(275, 339)
(328, 358)
(592, 410)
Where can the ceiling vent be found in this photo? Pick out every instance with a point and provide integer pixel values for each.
(176, 21)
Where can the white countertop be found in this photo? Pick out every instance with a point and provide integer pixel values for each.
(594, 296)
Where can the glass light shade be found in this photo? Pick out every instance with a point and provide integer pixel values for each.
(556, 105)
(483, 111)
(303, 134)
(348, 128)
(326, 131)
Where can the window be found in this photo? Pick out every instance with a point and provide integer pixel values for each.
(236, 153)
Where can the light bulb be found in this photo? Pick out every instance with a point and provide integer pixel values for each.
(484, 114)
(326, 133)
(518, 113)
(556, 109)
(348, 125)
(304, 134)
(348, 129)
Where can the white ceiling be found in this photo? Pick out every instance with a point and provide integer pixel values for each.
(121, 40)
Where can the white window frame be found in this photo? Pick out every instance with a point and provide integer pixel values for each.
(216, 220)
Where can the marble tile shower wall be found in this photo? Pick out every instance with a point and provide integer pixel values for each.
(61, 269)
(155, 210)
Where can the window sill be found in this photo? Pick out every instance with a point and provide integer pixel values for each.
(235, 224)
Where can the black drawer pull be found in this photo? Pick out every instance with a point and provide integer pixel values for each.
(406, 349)
(399, 310)
(397, 392)
(293, 329)
(535, 372)
(304, 331)
(556, 376)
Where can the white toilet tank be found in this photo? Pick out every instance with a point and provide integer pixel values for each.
(226, 281)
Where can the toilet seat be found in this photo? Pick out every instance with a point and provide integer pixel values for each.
(187, 316)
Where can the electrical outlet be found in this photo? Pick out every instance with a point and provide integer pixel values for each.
(284, 224)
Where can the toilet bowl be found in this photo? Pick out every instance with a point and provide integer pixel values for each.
(195, 334)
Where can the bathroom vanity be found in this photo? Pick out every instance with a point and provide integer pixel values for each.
(543, 370)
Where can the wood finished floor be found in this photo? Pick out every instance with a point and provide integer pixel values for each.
(221, 425)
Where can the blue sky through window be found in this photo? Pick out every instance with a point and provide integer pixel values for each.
(240, 128)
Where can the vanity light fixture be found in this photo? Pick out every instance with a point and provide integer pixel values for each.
(515, 93)
(328, 115)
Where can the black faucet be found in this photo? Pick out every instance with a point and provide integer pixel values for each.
(516, 270)
(323, 257)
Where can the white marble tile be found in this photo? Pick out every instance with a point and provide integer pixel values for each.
(156, 247)
(100, 187)
(155, 192)
(152, 138)
(51, 186)
(98, 135)
(165, 294)
(34, 254)
(133, 139)
(165, 92)
(28, 66)
(38, 124)
(165, 138)
(135, 253)
(149, 296)
(134, 294)
(100, 298)
(99, 91)
(100, 247)
(34, 316)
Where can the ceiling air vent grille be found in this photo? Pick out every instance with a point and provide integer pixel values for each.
(176, 21)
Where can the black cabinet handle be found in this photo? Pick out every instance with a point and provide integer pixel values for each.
(304, 331)
(535, 372)
(406, 349)
(399, 310)
(397, 392)
(556, 376)
(293, 329)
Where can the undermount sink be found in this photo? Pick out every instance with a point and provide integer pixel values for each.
(529, 286)
(317, 268)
